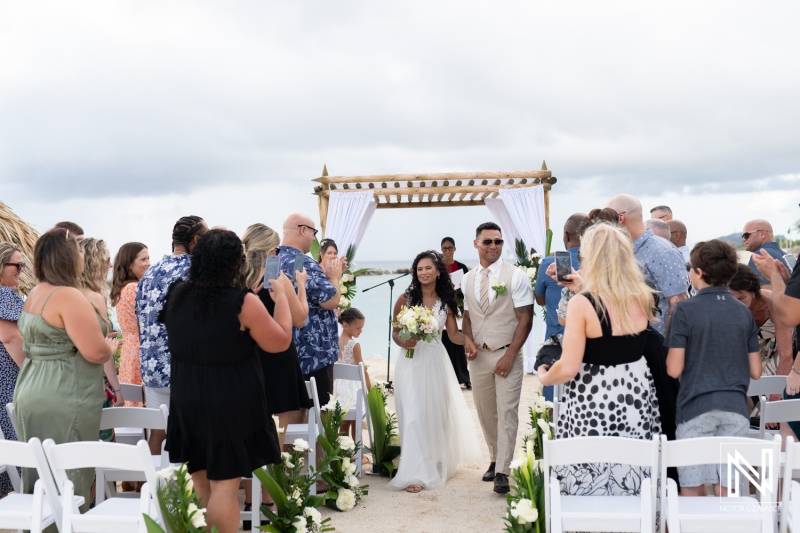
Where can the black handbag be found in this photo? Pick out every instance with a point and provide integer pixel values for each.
(549, 353)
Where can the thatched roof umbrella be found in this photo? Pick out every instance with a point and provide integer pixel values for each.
(15, 230)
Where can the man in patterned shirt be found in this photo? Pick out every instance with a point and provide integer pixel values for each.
(317, 342)
(150, 295)
(662, 263)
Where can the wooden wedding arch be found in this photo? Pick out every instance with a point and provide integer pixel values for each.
(448, 189)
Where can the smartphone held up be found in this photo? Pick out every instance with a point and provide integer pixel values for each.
(563, 266)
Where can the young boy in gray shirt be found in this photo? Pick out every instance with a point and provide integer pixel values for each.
(713, 348)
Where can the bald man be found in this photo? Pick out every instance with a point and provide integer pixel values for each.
(757, 235)
(677, 235)
(662, 263)
(317, 342)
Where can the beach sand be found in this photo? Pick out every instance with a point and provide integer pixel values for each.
(465, 503)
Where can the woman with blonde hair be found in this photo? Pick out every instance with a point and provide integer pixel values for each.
(96, 262)
(59, 392)
(609, 388)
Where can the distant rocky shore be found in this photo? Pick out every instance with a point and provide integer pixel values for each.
(378, 271)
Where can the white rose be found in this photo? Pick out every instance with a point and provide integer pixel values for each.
(394, 440)
(352, 481)
(346, 443)
(346, 500)
(313, 514)
(300, 445)
(198, 519)
(300, 524)
(524, 512)
(531, 272)
(344, 302)
(348, 467)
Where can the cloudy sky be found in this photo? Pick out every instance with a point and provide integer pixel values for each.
(123, 116)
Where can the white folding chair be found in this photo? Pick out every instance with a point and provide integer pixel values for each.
(132, 392)
(689, 514)
(130, 435)
(767, 385)
(360, 411)
(780, 411)
(35, 511)
(600, 513)
(13, 475)
(132, 417)
(114, 514)
(790, 493)
(308, 432)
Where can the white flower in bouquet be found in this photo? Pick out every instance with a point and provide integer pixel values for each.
(300, 445)
(199, 517)
(545, 427)
(534, 256)
(346, 443)
(347, 277)
(166, 473)
(313, 514)
(531, 273)
(352, 481)
(277, 422)
(394, 440)
(529, 433)
(344, 303)
(346, 500)
(516, 463)
(537, 390)
(524, 511)
(428, 327)
(189, 487)
(297, 496)
(300, 524)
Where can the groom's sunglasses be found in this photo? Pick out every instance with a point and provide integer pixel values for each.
(497, 242)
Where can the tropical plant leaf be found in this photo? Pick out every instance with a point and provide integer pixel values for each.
(270, 528)
(520, 251)
(314, 249)
(152, 525)
(278, 496)
(325, 444)
(388, 465)
(350, 254)
(549, 242)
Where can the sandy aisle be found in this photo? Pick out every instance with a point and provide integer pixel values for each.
(464, 503)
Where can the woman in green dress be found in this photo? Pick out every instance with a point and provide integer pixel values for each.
(59, 393)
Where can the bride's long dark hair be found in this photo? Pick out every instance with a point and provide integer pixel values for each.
(444, 285)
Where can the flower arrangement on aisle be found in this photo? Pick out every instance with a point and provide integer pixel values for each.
(386, 440)
(179, 503)
(416, 322)
(339, 452)
(290, 489)
(525, 511)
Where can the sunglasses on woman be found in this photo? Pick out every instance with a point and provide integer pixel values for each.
(20, 266)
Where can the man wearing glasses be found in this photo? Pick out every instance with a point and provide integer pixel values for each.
(756, 236)
(498, 312)
(317, 342)
(661, 212)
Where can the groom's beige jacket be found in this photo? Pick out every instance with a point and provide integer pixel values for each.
(495, 328)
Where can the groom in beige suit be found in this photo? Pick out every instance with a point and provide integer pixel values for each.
(499, 320)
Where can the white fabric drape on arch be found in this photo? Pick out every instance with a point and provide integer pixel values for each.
(520, 213)
(349, 214)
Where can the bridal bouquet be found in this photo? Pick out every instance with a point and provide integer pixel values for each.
(418, 323)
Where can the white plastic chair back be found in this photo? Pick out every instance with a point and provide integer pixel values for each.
(13, 475)
(129, 417)
(780, 411)
(723, 514)
(360, 410)
(12, 415)
(600, 513)
(767, 385)
(35, 511)
(790, 495)
(132, 392)
(116, 514)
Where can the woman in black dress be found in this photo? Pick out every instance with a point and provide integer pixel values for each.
(285, 388)
(455, 351)
(218, 420)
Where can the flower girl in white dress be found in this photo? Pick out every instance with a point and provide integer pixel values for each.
(436, 428)
(346, 391)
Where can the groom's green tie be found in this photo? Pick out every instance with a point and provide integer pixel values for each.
(485, 290)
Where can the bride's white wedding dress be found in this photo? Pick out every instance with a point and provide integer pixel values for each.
(436, 429)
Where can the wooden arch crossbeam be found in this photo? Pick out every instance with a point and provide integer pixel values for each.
(448, 189)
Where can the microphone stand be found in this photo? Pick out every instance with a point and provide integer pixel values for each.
(389, 341)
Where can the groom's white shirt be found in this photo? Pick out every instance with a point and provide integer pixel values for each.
(521, 293)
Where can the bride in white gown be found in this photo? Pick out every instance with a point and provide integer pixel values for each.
(436, 429)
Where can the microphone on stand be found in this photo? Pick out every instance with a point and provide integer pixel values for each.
(389, 340)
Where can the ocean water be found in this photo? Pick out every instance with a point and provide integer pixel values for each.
(377, 306)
